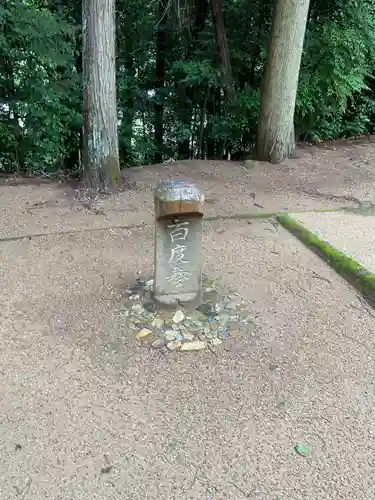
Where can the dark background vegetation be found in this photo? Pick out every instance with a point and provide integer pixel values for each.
(171, 93)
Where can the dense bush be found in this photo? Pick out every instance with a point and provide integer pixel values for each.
(40, 79)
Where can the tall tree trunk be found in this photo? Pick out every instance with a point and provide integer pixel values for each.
(161, 47)
(222, 48)
(128, 113)
(213, 110)
(186, 94)
(275, 138)
(100, 141)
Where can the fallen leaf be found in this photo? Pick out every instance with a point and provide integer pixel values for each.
(302, 450)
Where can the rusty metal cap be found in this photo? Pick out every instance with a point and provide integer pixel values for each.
(174, 198)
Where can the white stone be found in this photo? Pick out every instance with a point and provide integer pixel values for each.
(188, 336)
(178, 317)
(219, 308)
(216, 341)
(158, 323)
(196, 345)
(170, 334)
(149, 285)
(137, 308)
(174, 344)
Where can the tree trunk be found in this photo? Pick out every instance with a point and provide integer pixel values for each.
(222, 48)
(275, 138)
(100, 141)
(161, 47)
(186, 94)
(128, 111)
(202, 127)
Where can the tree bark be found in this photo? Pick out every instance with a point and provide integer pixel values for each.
(161, 47)
(100, 137)
(275, 137)
(222, 48)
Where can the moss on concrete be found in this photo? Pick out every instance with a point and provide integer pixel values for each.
(346, 266)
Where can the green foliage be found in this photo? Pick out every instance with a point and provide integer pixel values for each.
(334, 95)
(41, 95)
(38, 89)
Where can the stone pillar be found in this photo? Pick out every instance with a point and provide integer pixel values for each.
(178, 243)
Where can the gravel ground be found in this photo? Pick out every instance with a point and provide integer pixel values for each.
(88, 413)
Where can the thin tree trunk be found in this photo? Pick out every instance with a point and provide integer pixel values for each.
(100, 141)
(202, 126)
(161, 47)
(128, 112)
(222, 48)
(186, 94)
(275, 138)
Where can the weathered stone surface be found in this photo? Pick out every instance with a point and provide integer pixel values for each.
(176, 198)
(178, 242)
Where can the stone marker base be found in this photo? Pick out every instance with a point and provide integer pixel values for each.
(178, 249)
(216, 319)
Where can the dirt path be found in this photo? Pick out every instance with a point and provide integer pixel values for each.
(323, 177)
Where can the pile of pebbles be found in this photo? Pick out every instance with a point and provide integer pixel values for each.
(208, 326)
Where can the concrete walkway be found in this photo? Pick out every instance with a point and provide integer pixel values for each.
(352, 233)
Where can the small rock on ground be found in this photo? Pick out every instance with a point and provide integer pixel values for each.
(208, 325)
(178, 317)
(143, 333)
(174, 344)
(196, 345)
